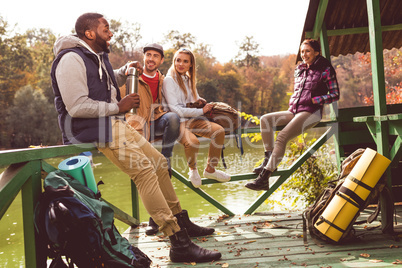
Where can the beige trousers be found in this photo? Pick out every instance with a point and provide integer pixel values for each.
(295, 124)
(204, 128)
(135, 156)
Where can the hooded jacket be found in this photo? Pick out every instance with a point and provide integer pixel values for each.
(86, 91)
(149, 110)
(312, 82)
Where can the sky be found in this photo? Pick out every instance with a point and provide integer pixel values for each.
(223, 24)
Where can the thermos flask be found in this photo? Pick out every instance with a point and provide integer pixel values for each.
(132, 84)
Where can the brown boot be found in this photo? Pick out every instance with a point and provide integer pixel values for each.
(184, 250)
(262, 181)
(258, 169)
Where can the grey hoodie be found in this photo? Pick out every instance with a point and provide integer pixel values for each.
(72, 81)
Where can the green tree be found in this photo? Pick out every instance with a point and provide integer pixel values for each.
(178, 40)
(248, 53)
(126, 37)
(15, 63)
(207, 89)
(32, 120)
(167, 62)
(41, 46)
(313, 175)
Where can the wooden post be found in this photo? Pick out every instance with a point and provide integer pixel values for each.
(380, 108)
(333, 106)
(134, 202)
(30, 192)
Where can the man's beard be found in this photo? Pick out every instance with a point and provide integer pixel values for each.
(153, 68)
(102, 43)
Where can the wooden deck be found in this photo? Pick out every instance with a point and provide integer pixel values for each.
(276, 240)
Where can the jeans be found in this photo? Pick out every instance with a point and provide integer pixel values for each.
(167, 126)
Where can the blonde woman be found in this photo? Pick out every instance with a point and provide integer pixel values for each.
(179, 89)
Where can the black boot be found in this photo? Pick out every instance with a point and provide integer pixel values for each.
(258, 169)
(193, 230)
(152, 227)
(184, 250)
(261, 183)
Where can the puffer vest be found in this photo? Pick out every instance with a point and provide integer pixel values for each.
(308, 84)
(84, 130)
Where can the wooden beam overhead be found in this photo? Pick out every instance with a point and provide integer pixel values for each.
(358, 30)
(319, 19)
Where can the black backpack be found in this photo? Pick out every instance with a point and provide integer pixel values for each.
(313, 214)
(71, 221)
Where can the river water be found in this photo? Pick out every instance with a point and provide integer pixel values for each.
(116, 189)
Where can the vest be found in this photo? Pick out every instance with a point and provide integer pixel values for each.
(84, 130)
(309, 84)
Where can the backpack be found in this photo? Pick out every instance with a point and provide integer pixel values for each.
(313, 215)
(222, 114)
(71, 221)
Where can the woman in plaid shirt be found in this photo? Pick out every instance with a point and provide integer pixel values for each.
(315, 85)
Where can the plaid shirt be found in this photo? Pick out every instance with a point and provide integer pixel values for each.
(330, 80)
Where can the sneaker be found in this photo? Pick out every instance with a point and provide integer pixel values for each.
(195, 178)
(217, 175)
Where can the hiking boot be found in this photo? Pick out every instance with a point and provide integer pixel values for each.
(217, 175)
(193, 230)
(152, 228)
(258, 169)
(195, 178)
(262, 181)
(184, 250)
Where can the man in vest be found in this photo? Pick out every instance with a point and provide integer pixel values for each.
(90, 109)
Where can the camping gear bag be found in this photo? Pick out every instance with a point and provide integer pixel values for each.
(71, 221)
(222, 114)
(227, 117)
(332, 216)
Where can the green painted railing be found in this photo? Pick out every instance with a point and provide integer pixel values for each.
(25, 169)
(283, 174)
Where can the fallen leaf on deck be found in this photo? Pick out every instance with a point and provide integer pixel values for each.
(365, 255)
(252, 241)
(225, 265)
(375, 261)
(397, 262)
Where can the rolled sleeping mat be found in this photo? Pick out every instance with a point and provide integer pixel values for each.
(352, 195)
(79, 167)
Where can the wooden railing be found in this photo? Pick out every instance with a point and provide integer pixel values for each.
(25, 169)
(283, 174)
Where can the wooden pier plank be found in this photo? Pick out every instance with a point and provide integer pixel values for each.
(276, 240)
